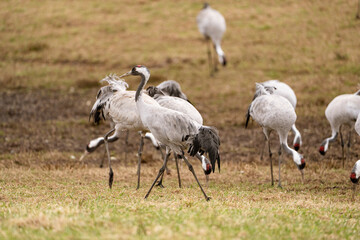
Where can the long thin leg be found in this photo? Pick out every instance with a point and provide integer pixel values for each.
(139, 159)
(193, 172)
(111, 173)
(161, 171)
(102, 160)
(167, 155)
(263, 150)
(342, 148)
(358, 11)
(349, 144)
(271, 165)
(177, 169)
(279, 185)
(215, 60)
(126, 145)
(354, 190)
(208, 43)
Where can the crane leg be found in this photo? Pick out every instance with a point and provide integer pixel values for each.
(271, 165)
(167, 155)
(161, 171)
(215, 61)
(263, 150)
(139, 159)
(193, 172)
(210, 57)
(177, 169)
(358, 11)
(280, 151)
(102, 160)
(111, 173)
(342, 148)
(349, 144)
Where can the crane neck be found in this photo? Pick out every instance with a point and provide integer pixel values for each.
(143, 82)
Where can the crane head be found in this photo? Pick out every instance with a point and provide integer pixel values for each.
(353, 178)
(299, 160)
(322, 150)
(355, 172)
(137, 70)
(302, 165)
(296, 146)
(206, 165)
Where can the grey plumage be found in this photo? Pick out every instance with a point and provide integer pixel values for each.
(102, 99)
(258, 92)
(172, 128)
(172, 88)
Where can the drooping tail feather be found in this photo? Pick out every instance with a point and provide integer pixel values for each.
(97, 111)
(102, 98)
(207, 140)
(247, 117)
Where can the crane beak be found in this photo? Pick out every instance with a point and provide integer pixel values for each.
(126, 74)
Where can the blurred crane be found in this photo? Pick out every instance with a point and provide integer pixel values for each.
(175, 129)
(212, 25)
(342, 110)
(274, 112)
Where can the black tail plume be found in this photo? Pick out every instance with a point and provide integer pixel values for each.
(247, 117)
(207, 140)
(224, 61)
(102, 98)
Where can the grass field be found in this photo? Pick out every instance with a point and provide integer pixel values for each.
(52, 56)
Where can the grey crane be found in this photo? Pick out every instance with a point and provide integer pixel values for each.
(274, 112)
(175, 129)
(181, 105)
(342, 110)
(212, 25)
(115, 103)
(284, 90)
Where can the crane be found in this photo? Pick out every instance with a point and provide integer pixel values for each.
(342, 110)
(181, 105)
(274, 112)
(170, 88)
(115, 103)
(212, 25)
(284, 90)
(175, 129)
